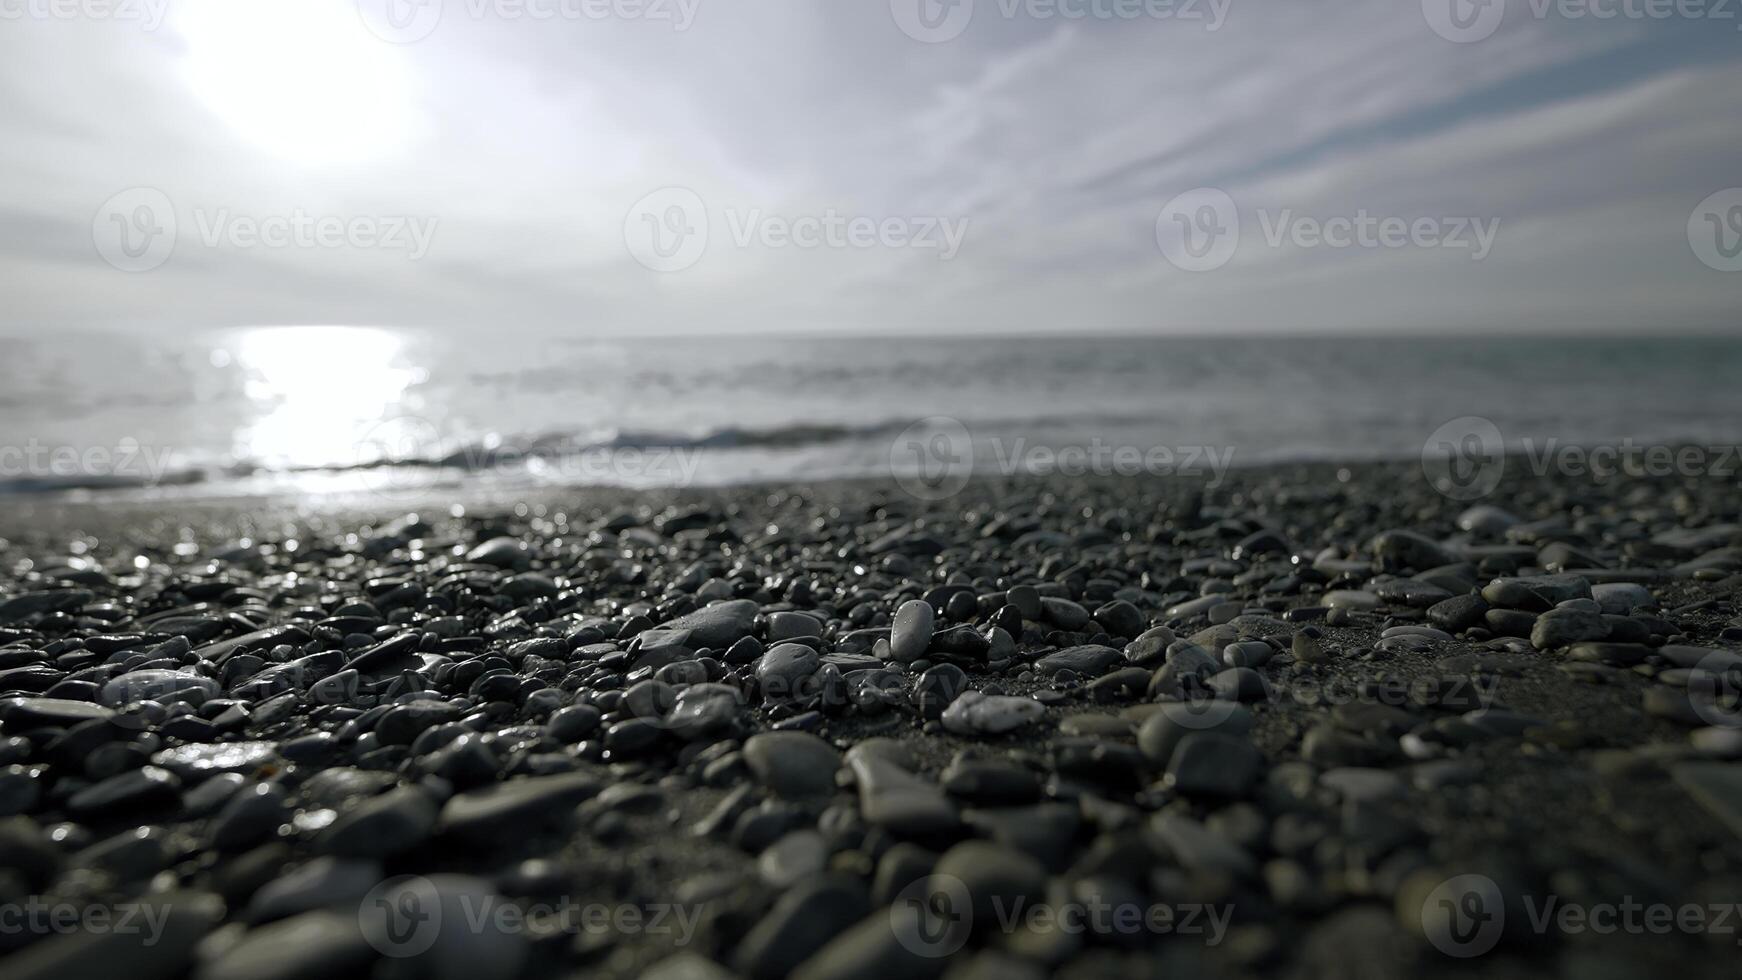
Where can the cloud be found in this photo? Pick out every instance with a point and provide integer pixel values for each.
(1057, 141)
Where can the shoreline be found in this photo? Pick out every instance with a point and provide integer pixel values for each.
(1393, 751)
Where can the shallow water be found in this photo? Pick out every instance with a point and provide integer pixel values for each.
(317, 409)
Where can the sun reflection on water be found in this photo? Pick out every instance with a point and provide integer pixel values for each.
(317, 390)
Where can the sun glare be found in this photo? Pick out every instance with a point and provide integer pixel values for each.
(302, 79)
(318, 391)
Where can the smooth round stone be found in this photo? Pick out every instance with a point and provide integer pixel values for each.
(1172, 721)
(1026, 599)
(994, 877)
(403, 723)
(1214, 764)
(492, 812)
(199, 760)
(937, 688)
(1064, 613)
(719, 625)
(1150, 649)
(704, 709)
(801, 922)
(1612, 654)
(501, 552)
(1487, 520)
(1194, 607)
(573, 723)
(395, 821)
(1622, 598)
(649, 699)
(975, 713)
(1561, 627)
(794, 765)
(911, 634)
(1358, 600)
(792, 626)
(1459, 613)
(324, 882)
(1239, 684)
(1096, 726)
(319, 943)
(1308, 648)
(1084, 661)
(24, 714)
(163, 686)
(1431, 776)
(20, 790)
(139, 790)
(1248, 653)
(1497, 721)
(1120, 618)
(249, 817)
(783, 667)
(796, 856)
(1718, 742)
(1364, 785)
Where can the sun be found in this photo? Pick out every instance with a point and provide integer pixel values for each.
(304, 80)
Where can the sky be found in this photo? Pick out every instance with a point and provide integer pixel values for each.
(611, 167)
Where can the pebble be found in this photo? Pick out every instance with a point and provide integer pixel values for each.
(783, 668)
(1160, 735)
(975, 713)
(309, 946)
(381, 826)
(801, 922)
(1561, 627)
(137, 792)
(163, 686)
(1085, 661)
(564, 693)
(793, 765)
(912, 632)
(1213, 764)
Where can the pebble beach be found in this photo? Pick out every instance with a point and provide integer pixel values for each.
(1317, 721)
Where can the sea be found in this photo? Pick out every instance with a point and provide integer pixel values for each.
(318, 410)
